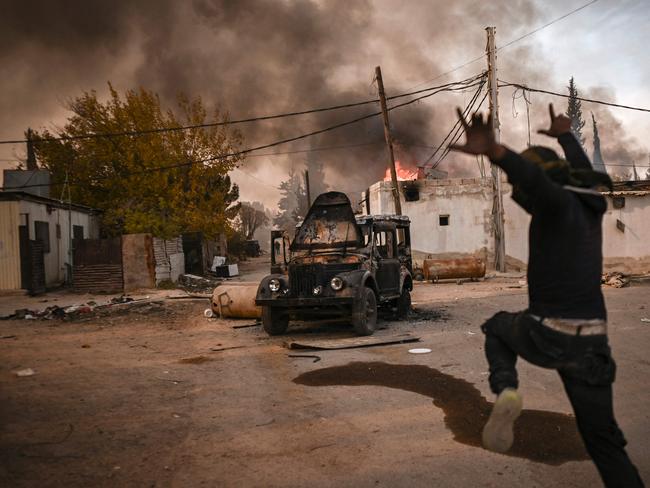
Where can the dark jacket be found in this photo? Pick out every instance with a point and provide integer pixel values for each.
(565, 238)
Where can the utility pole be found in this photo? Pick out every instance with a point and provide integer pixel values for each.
(497, 202)
(307, 188)
(389, 141)
(31, 156)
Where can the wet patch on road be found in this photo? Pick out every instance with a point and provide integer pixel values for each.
(417, 314)
(545, 437)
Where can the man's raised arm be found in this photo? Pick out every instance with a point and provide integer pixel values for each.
(527, 175)
(561, 130)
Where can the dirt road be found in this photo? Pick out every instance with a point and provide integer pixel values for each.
(166, 397)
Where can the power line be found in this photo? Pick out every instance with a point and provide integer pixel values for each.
(272, 144)
(563, 95)
(233, 122)
(457, 135)
(507, 44)
(457, 123)
(510, 43)
(256, 178)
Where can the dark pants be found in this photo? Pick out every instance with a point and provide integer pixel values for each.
(587, 371)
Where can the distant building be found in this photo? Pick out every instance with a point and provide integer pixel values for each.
(452, 218)
(36, 234)
(33, 181)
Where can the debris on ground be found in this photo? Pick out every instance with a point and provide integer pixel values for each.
(88, 309)
(353, 342)
(245, 326)
(420, 350)
(189, 296)
(196, 360)
(308, 356)
(120, 299)
(190, 282)
(25, 372)
(615, 279)
(217, 349)
(645, 320)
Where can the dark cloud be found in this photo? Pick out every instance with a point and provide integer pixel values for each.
(255, 57)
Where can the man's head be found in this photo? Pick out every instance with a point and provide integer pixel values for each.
(559, 171)
(556, 169)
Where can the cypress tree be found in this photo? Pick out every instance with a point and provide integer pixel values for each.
(597, 159)
(574, 112)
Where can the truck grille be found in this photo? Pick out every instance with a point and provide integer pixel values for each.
(304, 277)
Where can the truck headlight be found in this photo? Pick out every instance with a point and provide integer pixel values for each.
(336, 283)
(274, 284)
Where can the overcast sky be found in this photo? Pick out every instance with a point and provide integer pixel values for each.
(258, 57)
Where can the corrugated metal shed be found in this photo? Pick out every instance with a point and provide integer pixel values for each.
(169, 257)
(9, 246)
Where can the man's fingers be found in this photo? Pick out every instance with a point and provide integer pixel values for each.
(544, 131)
(551, 111)
(462, 119)
(457, 147)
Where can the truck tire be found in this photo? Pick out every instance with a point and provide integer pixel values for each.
(364, 313)
(403, 304)
(274, 321)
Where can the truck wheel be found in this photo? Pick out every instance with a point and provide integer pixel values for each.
(403, 304)
(274, 321)
(364, 313)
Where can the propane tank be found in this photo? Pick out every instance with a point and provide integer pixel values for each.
(236, 300)
(443, 269)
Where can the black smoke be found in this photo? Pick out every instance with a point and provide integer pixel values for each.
(256, 57)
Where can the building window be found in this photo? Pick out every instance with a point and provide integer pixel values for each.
(58, 231)
(619, 202)
(42, 230)
(443, 220)
(78, 232)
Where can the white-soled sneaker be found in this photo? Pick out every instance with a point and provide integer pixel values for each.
(498, 433)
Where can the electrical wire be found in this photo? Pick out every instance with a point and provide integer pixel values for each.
(457, 136)
(535, 31)
(507, 44)
(96, 135)
(563, 95)
(457, 123)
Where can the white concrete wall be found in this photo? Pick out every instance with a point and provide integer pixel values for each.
(516, 226)
(9, 246)
(58, 256)
(468, 202)
(628, 251)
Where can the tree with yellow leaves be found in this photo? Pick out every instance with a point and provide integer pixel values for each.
(148, 182)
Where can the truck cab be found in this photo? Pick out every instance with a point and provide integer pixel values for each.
(339, 265)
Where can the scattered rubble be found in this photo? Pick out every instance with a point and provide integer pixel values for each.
(615, 280)
(88, 309)
(25, 372)
(190, 282)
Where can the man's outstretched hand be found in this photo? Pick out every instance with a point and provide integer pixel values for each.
(560, 124)
(480, 137)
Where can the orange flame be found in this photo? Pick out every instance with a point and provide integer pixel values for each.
(402, 173)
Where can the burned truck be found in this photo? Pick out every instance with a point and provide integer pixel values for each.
(340, 266)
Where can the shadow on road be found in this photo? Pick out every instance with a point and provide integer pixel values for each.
(545, 437)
